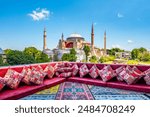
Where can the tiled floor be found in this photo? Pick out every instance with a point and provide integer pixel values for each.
(77, 91)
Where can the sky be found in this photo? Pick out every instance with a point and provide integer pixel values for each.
(127, 22)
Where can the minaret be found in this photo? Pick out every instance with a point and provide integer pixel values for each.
(92, 38)
(44, 39)
(92, 41)
(105, 51)
(62, 37)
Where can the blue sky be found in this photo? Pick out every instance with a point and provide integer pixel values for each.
(127, 22)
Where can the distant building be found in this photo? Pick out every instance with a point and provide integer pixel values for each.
(3, 55)
(121, 55)
(77, 42)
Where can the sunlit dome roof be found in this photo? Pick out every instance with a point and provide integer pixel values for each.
(75, 35)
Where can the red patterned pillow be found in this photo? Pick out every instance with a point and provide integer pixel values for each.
(57, 74)
(65, 75)
(83, 70)
(40, 69)
(37, 77)
(49, 70)
(124, 71)
(13, 78)
(2, 83)
(24, 71)
(147, 72)
(27, 77)
(75, 69)
(131, 78)
(93, 72)
(64, 64)
(107, 73)
(137, 71)
(147, 78)
(64, 69)
(120, 69)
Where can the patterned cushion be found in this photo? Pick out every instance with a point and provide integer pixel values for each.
(131, 78)
(64, 64)
(64, 69)
(107, 73)
(24, 71)
(120, 69)
(2, 83)
(65, 75)
(13, 78)
(124, 71)
(37, 77)
(57, 74)
(137, 71)
(40, 69)
(27, 77)
(147, 72)
(147, 78)
(93, 72)
(83, 70)
(49, 70)
(75, 69)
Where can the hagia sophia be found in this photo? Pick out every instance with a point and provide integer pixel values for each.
(77, 42)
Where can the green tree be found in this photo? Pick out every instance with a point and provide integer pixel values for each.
(135, 53)
(93, 59)
(1, 60)
(65, 57)
(73, 51)
(32, 51)
(87, 51)
(114, 50)
(142, 50)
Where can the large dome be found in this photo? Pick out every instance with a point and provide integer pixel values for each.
(75, 36)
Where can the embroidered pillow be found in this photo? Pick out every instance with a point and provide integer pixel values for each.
(2, 83)
(75, 69)
(13, 78)
(65, 75)
(40, 69)
(27, 77)
(37, 77)
(147, 78)
(107, 73)
(49, 70)
(83, 70)
(93, 72)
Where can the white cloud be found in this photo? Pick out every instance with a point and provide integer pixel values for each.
(116, 46)
(40, 14)
(130, 41)
(119, 15)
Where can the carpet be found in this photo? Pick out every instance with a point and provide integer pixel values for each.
(78, 91)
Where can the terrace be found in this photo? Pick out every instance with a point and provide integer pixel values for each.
(79, 86)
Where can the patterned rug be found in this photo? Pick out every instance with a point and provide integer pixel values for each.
(78, 91)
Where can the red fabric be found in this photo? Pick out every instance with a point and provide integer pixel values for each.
(107, 73)
(65, 75)
(147, 78)
(27, 76)
(75, 69)
(147, 71)
(49, 70)
(83, 70)
(13, 79)
(2, 83)
(23, 91)
(93, 72)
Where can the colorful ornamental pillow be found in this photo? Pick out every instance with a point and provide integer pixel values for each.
(124, 71)
(37, 77)
(120, 69)
(64, 69)
(147, 72)
(65, 75)
(131, 78)
(27, 77)
(40, 69)
(83, 70)
(137, 71)
(49, 70)
(13, 79)
(2, 83)
(75, 69)
(93, 72)
(147, 79)
(107, 73)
